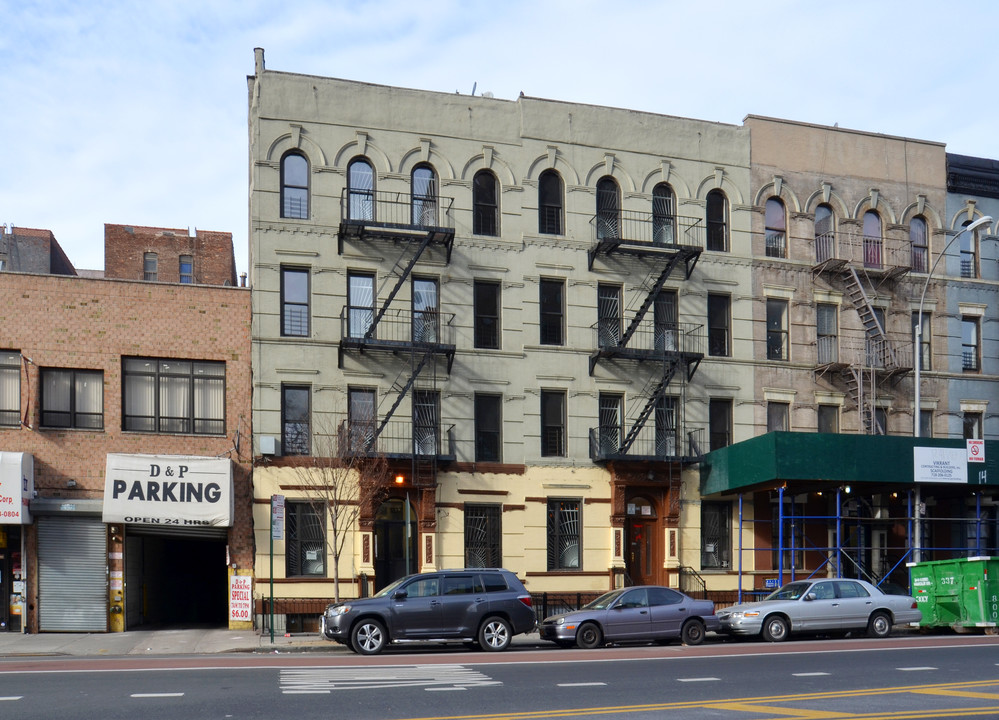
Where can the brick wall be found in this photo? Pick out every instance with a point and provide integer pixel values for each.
(126, 245)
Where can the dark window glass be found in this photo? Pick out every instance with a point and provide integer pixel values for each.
(776, 228)
(553, 423)
(149, 266)
(552, 308)
(360, 190)
(296, 413)
(778, 416)
(663, 215)
(186, 269)
(72, 398)
(564, 535)
(294, 187)
(550, 203)
(919, 241)
(361, 416)
(483, 534)
(486, 301)
(665, 316)
(925, 356)
(10, 389)
(777, 339)
(305, 544)
(488, 427)
(485, 209)
(174, 396)
(972, 422)
(295, 302)
(828, 419)
(424, 197)
(608, 209)
(970, 351)
(969, 253)
(716, 534)
(426, 422)
(719, 322)
(667, 427)
(611, 430)
(716, 211)
(720, 422)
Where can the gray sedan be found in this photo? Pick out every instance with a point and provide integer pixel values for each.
(821, 606)
(635, 614)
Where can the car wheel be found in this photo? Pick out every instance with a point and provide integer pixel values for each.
(775, 629)
(495, 634)
(692, 632)
(368, 637)
(879, 626)
(589, 636)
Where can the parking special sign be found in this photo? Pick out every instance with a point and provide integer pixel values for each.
(168, 490)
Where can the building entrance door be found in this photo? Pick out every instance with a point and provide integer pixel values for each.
(644, 550)
(391, 537)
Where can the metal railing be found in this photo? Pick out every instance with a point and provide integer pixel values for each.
(652, 337)
(868, 252)
(399, 438)
(403, 326)
(396, 210)
(652, 442)
(646, 228)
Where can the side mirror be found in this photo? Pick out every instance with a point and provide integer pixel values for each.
(811, 596)
(400, 595)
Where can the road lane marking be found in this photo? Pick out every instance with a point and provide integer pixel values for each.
(157, 695)
(582, 684)
(445, 689)
(12, 697)
(298, 681)
(797, 713)
(916, 669)
(960, 693)
(811, 674)
(703, 679)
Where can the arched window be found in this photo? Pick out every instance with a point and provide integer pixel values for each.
(550, 203)
(424, 183)
(295, 186)
(360, 190)
(485, 209)
(776, 228)
(825, 233)
(716, 214)
(663, 215)
(872, 239)
(919, 241)
(608, 209)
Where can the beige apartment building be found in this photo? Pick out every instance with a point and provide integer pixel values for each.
(520, 323)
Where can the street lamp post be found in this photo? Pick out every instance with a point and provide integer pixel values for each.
(984, 220)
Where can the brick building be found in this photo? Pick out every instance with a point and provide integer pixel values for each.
(124, 452)
(198, 257)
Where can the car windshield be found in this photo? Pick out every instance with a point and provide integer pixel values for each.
(389, 589)
(604, 601)
(791, 591)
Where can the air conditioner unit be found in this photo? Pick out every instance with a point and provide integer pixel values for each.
(268, 445)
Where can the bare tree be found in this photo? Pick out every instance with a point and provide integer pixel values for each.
(343, 475)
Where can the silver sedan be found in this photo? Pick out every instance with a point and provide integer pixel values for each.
(821, 606)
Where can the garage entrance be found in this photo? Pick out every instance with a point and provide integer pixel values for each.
(177, 578)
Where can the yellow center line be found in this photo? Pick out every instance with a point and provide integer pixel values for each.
(960, 693)
(790, 712)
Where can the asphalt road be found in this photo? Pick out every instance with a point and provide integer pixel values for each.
(915, 677)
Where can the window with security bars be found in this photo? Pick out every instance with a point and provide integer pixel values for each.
(564, 532)
(663, 215)
(775, 219)
(608, 315)
(294, 186)
(426, 422)
(611, 422)
(426, 313)
(174, 396)
(305, 543)
(10, 389)
(483, 536)
(72, 398)
(608, 209)
(424, 196)
(667, 438)
(488, 425)
(486, 308)
(360, 304)
(295, 302)
(716, 535)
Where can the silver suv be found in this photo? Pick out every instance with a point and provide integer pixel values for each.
(477, 606)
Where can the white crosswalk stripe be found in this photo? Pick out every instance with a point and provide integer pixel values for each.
(295, 681)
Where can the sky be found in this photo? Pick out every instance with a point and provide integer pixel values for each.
(135, 113)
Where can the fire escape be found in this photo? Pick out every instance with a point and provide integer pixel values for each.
(670, 351)
(412, 227)
(863, 266)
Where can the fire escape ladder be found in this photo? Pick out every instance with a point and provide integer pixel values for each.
(398, 285)
(855, 385)
(402, 394)
(650, 406)
(649, 299)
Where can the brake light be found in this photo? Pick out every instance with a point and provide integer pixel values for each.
(913, 605)
(526, 599)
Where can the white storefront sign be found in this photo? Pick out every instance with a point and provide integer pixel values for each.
(940, 465)
(17, 486)
(240, 597)
(168, 490)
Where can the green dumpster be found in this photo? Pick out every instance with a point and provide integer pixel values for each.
(962, 594)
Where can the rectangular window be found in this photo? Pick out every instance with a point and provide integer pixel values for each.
(426, 422)
(720, 422)
(665, 315)
(360, 304)
(719, 323)
(552, 312)
(969, 254)
(716, 535)
(426, 311)
(667, 428)
(361, 418)
(925, 356)
(828, 418)
(778, 414)
(10, 389)
(486, 302)
(186, 269)
(488, 425)
(72, 399)
(877, 345)
(827, 333)
(611, 409)
(174, 396)
(565, 535)
(149, 269)
(553, 423)
(970, 351)
(608, 315)
(483, 534)
(294, 302)
(296, 413)
(305, 545)
(925, 423)
(777, 329)
(972, 426)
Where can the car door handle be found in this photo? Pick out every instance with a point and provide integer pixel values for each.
(643, 612)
